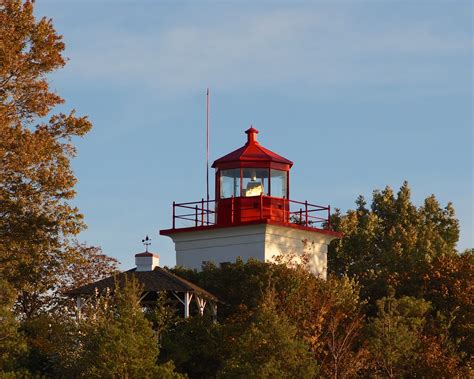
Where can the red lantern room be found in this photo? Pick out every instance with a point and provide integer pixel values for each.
(252, 183)
(252, 216)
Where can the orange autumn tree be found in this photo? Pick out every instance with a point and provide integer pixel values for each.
(37, 221)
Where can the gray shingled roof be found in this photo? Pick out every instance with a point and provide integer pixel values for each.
(157, 280)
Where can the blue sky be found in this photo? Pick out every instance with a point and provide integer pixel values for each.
(359, 94)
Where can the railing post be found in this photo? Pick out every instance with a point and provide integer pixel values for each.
(202, 212)
(174, 214)
(329, 217)
(284, 209)
(232, 207)
(301, 216)
(196, 216)
(261, 206)
(306, 212)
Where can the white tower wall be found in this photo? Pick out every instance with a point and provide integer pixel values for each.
(281, 240)
(260, 241)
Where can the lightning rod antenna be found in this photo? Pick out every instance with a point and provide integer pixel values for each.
(207, 152)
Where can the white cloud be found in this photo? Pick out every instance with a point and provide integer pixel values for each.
(265, 49)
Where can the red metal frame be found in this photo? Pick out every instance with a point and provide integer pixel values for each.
(205, 213)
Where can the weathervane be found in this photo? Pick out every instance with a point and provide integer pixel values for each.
(146, 242)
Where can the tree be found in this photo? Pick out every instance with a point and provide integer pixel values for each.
(327, 314)
(394, 247)
(82, 265)
(393, 243)
(395, 335)
(339, 347)
(86, 264)
(196, 346)
(36, 180)
(236, 284)
(118, 341)
(268, 347)
(53, 345)
(449, 286)
(114, 340)
(12, 342)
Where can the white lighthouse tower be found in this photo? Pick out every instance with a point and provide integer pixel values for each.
(252, 215)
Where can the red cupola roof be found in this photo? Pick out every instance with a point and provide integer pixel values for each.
(252, 152)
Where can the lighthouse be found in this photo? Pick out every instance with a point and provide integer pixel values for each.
(251, 215)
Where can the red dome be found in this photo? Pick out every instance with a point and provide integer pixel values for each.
(252, 154)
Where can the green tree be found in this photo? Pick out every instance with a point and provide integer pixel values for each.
(53, 345)
(393, 243)
(163, 315)
(395, 335)
(119, 341)
(12, 342)
(235, 284)
(268, 347)
(196, 346)
(36, 180)
(327, 314)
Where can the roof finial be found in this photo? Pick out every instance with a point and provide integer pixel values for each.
(146, 242)
(251, 135)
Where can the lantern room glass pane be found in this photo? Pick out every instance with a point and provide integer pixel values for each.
(279, 183)
(255, 181)
(230, 183)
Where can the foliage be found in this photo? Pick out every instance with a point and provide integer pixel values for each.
(340, 311)
(82, 265)
(53, 344)
(268, 347)
(393, 253)
(87, 264)
(327, 314)
(161, 315)
(196, 346)
(12, 342)
(39, 257)
(235, 284)
(394, 335)
(397, 249)
(119, 341)
(397, 302)
(114, 340)
(393, 243)
(278, 320)
(36, 180)
(449, 286)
